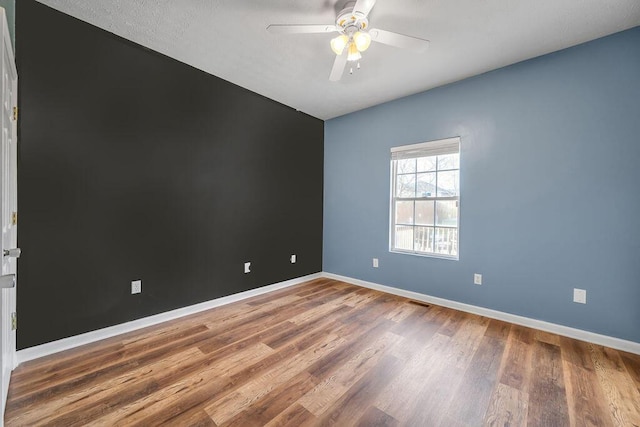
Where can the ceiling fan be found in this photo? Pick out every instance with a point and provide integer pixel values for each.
(355, 35)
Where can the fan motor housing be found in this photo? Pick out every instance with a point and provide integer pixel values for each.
(348, 22)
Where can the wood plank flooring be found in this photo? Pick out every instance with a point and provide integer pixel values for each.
(330, 353)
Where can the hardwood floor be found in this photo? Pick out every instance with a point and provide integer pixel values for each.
(330, 353)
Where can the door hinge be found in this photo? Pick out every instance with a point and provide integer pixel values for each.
(14, 218)
(15, 113)
(14, 321)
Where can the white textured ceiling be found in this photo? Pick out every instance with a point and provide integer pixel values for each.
(228, 38)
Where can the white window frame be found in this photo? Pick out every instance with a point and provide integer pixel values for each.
(424, 149)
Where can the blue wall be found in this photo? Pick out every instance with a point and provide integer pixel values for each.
(550, 188)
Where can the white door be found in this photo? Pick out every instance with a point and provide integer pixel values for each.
(8, 208)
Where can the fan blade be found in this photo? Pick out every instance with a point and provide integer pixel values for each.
(399, 40)
(338, 67)
(300, 29)
(363, 7)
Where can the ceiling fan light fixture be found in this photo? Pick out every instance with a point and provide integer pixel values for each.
(354, 36)
(353, 53)
(362, 40)
(339, 43)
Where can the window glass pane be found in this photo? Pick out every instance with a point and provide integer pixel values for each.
(446, 241)
(425, 212)
(426, 186)
(404, 212)
(450, 161)
(448, 184)
(424, 239)
(425, 200)
(426, 164)
(406, 186)
(406, 166)
(447, 213)
(404, 237)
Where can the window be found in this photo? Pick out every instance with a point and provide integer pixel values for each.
(425, 198)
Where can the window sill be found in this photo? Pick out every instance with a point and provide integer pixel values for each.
(427, 255)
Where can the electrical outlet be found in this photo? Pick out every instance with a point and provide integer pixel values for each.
(136, 286)
(477, 279)
(580, 296)
(293, 259)
(247, 267)
(375, 263)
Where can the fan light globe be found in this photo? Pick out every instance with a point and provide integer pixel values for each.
(339, 43)
(354, 55)
(362, 40)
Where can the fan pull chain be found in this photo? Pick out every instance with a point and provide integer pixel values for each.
(357, 68)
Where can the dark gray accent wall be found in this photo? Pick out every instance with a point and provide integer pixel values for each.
(135, 166)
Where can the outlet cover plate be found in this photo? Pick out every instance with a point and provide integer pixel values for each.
(247, 267)
(477, 279)
(136, 286)
(580, 296)
(375, 263)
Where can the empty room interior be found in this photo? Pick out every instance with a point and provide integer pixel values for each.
(350, 213)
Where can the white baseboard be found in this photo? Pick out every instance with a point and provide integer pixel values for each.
(607, 341)
(100, 334)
